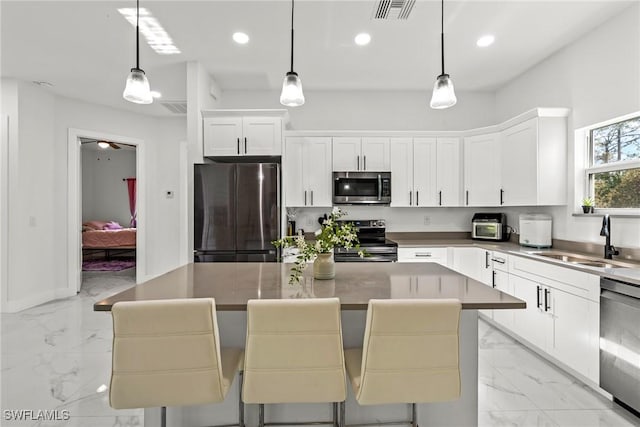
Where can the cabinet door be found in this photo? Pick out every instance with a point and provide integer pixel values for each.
(317, 169)
(424, 172)
(482, 170)
(519, 164)
(467, 261)
(223, 136)
(576, 332)
(262, 136)
(346, 154)
(401, 172)
(294, 172)
(375, 155)
(532, 323)
(448, 169)
(501, 283)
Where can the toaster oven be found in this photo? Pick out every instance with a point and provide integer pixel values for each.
(489, 226)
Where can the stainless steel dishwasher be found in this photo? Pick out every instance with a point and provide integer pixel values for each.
(620, 341)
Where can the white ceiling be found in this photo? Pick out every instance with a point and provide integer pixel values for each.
(86, 48)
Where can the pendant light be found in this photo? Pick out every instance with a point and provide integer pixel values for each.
(292, 95)
(137, 88)
(443, 93)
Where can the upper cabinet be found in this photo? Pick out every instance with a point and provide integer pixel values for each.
(361, 154)
(242, 133)
(425, 171)
(307, 171)
(534, 162)
(482, 170)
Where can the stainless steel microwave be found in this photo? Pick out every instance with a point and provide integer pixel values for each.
(361, 188)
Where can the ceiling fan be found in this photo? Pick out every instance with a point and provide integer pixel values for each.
(107, 144)
(103, 144)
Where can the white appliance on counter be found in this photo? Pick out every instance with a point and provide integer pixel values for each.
(535, 230)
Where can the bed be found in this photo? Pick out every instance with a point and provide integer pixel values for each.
(109, 242)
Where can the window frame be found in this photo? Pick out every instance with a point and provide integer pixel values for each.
(590, 170)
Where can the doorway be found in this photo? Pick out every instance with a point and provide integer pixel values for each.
(107, 220)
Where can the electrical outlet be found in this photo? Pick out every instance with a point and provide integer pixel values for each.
(427, 220)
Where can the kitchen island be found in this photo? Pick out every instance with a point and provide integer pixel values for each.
(233, 284)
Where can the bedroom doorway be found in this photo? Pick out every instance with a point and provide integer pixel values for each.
(106, 207)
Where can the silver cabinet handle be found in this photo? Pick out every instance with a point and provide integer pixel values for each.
(364, 168)
(423, 255)
(305, 197)
(311, 197)
(357, 162)
(410, 198)
(379, 187)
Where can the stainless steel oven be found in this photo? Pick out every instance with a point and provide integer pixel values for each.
(372, 237)
(620, 341)
(361, 188)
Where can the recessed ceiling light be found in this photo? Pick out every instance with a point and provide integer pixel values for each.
(156, 94)
(240, 38)
(362, 39)
(485, 41)
(157, 37)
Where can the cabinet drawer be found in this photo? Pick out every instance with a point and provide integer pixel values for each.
(569, 280)
(438, 255)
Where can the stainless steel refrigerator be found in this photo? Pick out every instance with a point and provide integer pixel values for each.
(236, 212)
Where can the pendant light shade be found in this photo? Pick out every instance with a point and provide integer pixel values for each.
(292, 95)
(444, 95)
(137, 89)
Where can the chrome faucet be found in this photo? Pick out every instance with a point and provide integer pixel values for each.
(609, 249)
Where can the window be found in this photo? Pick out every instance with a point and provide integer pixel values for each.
(613, 175)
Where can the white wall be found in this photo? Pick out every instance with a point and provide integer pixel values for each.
(598, 77)
(373, 110)
(105, 196)
(38, 188)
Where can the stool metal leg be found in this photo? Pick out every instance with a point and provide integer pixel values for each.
(342, 414)
(414, 415)
(335, 415)
(240, 402)
(261, 415)
(163, 416)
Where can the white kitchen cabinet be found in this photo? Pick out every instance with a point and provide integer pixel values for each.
(531, 323)
(425, 171)
(473, 262)
(482, 170)
(448, 171)
(237, 135)
(361, 154)
(307, 171)
(502, 283)
(426, 254)
(533, 162)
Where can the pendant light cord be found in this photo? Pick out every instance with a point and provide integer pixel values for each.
(292, 36)
(137, 35)
(442, 36)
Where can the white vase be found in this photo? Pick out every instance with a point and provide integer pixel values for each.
(324, 267)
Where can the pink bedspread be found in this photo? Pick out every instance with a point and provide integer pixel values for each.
(109, 238)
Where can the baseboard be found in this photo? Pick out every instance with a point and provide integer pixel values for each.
(25, 303)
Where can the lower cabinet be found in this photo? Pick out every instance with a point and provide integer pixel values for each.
(502, 283)
(564, 325)
(437, 255)
(473, 262)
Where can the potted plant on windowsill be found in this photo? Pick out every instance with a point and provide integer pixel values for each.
(587, 205)
(330, 235)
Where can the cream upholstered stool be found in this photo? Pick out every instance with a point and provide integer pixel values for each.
(294, 354)
(167, 353)
(409, 354)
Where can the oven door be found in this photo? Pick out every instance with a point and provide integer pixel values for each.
(486, 230)
(351, 188)
(374, 254)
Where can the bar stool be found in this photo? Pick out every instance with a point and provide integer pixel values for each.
(294, 354)
(167, 353)
(409, 355)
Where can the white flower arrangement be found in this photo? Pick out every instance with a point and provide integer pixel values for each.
(330, 235)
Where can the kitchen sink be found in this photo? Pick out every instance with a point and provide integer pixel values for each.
(585, 260)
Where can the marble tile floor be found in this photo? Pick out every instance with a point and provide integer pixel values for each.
(58, 355)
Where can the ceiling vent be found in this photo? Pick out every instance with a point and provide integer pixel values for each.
(393, 9)
(175, 107)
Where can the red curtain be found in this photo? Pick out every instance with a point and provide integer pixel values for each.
(131, 186)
